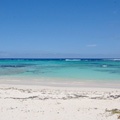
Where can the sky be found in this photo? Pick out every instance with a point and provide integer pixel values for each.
(60, 28)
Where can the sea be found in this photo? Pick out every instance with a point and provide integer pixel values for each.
(72, 69)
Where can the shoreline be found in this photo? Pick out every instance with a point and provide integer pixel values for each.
(58, 82)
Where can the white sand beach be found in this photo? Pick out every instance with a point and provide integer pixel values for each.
(31, 102)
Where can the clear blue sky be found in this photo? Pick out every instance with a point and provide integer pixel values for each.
(59, 28)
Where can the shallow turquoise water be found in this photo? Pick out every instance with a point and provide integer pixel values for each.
(79, 69)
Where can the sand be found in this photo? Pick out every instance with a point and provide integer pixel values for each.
(31, 102)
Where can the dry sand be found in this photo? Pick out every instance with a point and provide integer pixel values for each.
(27, 102)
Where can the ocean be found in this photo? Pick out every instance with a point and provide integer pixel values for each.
(105, 70)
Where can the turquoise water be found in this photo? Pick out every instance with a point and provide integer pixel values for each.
(77, 69)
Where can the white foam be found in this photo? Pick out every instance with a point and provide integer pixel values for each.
(104, 66)
(72, 59)
(114, 59)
